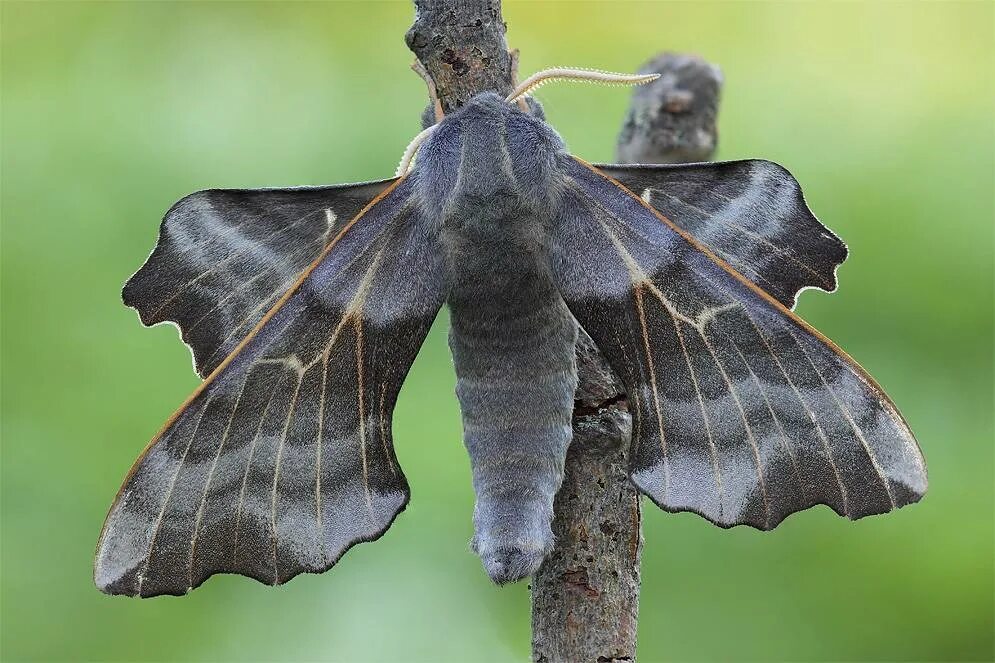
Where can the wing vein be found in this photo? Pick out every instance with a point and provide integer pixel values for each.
(224, 261)
(785, 440)
(210, 479)
(656, 394)
(704, 414)
(224, 300)
(808, 411)
(362, 413)
(169, 496)
(320, 451)
(276, 475)
(742, 413)
(264, 305)
(853, 424)
(248, 466)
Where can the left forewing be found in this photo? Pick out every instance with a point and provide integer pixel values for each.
(283, 458)
(742, 412)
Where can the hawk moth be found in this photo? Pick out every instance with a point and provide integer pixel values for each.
(305, 307)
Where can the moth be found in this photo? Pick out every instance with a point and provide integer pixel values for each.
(305, 308)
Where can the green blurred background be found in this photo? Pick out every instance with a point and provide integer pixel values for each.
(112, 111)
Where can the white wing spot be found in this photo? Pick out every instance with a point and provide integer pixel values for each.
(330, 219)
(709, 314)
(292, 362)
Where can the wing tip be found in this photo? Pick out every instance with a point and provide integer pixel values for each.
(836, 250)
(119, 583)
(147, 319)
(911, 491)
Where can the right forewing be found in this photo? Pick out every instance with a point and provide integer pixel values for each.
(283, 458)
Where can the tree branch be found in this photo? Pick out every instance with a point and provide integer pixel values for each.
(585, 598)
(461, 45)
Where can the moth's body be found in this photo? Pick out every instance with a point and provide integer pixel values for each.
(512, 336)
(305, 328)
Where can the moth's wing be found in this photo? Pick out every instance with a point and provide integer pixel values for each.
(225, 256)
(741, 411)
(751, 214)
(283, 459)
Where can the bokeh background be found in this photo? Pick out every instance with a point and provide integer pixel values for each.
(112, 111)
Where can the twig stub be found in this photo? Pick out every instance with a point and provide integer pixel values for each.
(462, 46)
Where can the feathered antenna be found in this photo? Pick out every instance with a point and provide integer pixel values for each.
(526, 86)
(571, 74)
(409, 153)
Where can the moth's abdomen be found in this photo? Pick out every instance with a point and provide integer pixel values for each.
(512, 340)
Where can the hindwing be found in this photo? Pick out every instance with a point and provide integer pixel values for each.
(751, 214)
(225, 256)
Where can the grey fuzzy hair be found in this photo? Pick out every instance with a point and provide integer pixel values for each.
(489, 176)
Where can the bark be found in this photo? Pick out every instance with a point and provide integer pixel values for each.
(461, 45)
(585, 598)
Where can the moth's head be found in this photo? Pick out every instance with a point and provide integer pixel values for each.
(519, 102)
(433, 114)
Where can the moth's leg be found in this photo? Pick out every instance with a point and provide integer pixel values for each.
(419, 69)
(513, 54)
